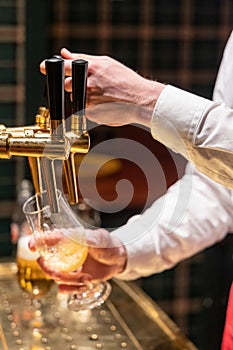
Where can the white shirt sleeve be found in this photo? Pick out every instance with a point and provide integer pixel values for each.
(195, 213)
(198, 128)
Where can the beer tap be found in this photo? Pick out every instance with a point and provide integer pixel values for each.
(47, 140)
(44, 141)
(78, 135)
(55, 86)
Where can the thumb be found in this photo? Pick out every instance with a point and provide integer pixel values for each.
(105, 248)
(99, 238)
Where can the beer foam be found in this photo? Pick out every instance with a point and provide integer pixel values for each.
(23, 250)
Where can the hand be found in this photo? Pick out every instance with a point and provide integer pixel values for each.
(117, 94)
(106, 258)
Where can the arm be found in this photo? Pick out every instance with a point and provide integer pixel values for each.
(116, 95)
(198, 129)
(194, 214)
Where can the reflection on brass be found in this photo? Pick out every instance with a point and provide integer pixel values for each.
(78, 122)
(35, 169)
(70, 176)
(3, 339)
(32, 142)
(38, 147)
(145, 302)
(80, 143)
(57, 128)
(42, 118)
(47, 139)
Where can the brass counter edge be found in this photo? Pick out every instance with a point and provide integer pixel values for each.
(154, 312)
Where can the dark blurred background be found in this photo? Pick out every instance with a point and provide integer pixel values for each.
(175, 41)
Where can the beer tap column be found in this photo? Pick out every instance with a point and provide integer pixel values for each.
(79, 83)
(78, 135)
(55, 89)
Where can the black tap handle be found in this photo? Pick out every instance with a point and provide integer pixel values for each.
(55, 86)
(79, 83)
(44, 100)
(67, 101)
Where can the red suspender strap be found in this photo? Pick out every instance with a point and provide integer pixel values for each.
(227, 341)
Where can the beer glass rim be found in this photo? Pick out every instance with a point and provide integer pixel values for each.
(33, 198)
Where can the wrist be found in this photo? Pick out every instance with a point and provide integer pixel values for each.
(151, 93)
(147, 100)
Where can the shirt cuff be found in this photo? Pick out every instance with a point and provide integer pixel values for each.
(138, 236)
(175, 119)
(139, 246)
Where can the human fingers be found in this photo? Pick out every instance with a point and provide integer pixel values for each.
(70, 289)
(96, 63)
(40, 239)
(92, 84)
(98, 238)
(47, 238)
(66, 54)
(32, 244)
(42, 67)
(105, 249)
(99, 270)
(69, 278)
(67, 67)
(69, 57)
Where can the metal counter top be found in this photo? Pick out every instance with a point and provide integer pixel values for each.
(128, 320)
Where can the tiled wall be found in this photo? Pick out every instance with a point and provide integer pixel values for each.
(176, 41)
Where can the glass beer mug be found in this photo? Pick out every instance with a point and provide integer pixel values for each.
(60, 239)
(30, 276)
(32, 279)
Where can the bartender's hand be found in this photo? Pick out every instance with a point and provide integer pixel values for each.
(106, 258)
(116, 94)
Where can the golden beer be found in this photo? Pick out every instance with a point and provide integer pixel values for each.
(31, 277)
(62, 251)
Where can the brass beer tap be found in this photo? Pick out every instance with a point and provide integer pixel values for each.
(47, 140)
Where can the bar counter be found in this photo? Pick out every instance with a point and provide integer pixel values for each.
(128, 320)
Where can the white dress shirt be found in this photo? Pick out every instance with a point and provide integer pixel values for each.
(198, 128)
(196, 212)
